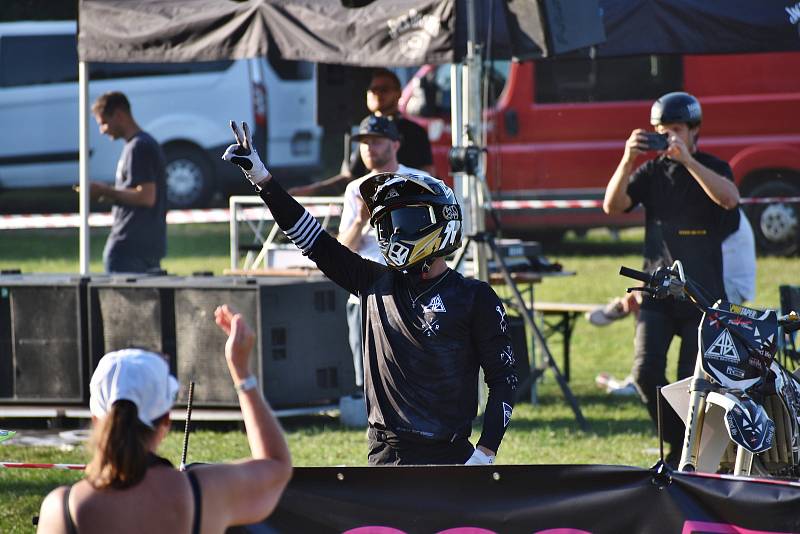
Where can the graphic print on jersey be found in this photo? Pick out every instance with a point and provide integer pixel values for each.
(507, 356)
(503, 322)
(429, 323)
(506, 414)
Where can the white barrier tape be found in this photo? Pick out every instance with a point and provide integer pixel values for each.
(18, 465)
(573, 204)
(72, 220)
(545, 204)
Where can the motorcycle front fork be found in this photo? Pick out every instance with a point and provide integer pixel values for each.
(744, 461)
(698, 391)
(690, 453)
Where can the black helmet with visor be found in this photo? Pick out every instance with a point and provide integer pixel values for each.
(416, 217)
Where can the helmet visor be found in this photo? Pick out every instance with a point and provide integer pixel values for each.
(407, 220)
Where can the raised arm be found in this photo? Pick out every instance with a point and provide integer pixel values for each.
(340, 264)
(248, 490)
(616, 199)
(719, 189)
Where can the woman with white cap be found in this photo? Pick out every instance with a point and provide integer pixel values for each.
(128, 488)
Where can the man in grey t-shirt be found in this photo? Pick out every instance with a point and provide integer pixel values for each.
(138, 238)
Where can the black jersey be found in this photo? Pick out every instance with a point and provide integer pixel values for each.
(423, 342)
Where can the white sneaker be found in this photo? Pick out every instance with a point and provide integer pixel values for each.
(603, 315)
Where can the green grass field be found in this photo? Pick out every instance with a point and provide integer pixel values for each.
(544, 433)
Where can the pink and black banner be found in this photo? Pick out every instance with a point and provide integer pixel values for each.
(537, 499)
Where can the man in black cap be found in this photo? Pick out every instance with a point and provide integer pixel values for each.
(383, 98)
(379, 142)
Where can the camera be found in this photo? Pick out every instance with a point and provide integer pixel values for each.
(465, 159)
(656, 141)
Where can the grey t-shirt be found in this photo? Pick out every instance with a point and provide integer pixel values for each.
(138, 230)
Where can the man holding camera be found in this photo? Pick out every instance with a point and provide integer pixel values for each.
(689, 199)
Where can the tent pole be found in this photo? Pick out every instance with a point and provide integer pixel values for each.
(83, 134)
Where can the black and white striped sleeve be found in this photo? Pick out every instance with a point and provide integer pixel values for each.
(305, 232)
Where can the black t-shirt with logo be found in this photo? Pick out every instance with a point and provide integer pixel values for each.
(423, 342)
(681, 220)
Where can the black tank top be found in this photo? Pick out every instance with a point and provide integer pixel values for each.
(152, 461)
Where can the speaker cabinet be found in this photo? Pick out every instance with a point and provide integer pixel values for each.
(301, 358)
(131, 311)
(43, 338)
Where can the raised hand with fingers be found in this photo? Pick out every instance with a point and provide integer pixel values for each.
(241, 340)
(243, 154)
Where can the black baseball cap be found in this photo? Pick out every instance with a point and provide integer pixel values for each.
(375, 126)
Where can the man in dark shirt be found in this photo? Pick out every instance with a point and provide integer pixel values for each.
(427, 329)
(383, 98)
(689, 199)
(138, 238)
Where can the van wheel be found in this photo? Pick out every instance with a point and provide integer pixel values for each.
(776, 226)
(190, 182)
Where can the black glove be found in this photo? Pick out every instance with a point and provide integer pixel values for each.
(245, 156)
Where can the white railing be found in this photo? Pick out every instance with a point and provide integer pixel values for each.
(249, 212)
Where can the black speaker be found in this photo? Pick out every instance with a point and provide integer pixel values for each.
(43, 338)
(131, 311)
(302, 357)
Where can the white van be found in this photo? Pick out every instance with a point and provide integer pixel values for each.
(185, 106)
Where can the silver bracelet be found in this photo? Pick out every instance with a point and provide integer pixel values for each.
(251, 382)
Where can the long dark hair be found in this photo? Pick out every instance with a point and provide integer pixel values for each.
(119, 445)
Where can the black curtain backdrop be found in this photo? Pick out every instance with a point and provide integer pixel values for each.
(530, 499)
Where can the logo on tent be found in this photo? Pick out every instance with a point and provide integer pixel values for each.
(723, 348)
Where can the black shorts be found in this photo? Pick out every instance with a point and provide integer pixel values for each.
(386, 448)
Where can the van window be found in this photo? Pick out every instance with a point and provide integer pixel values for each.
(607, 79)
(38, 59)
(106, 71)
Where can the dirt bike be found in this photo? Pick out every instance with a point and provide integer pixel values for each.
(741, 407)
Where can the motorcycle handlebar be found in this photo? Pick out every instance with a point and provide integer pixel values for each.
(636, 275)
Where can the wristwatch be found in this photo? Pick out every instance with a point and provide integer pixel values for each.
(247, 384)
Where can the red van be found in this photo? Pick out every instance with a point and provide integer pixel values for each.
(556, 129)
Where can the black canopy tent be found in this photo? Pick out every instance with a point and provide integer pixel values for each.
(411, 32)
(379, 33)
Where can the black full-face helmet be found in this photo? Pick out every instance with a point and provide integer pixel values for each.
(416, 217)
(676, 108)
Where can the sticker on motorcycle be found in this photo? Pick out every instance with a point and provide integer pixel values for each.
(723, 348)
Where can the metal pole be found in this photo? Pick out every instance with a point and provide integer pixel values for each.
(472, 199)
(83, 154)
(187, 426)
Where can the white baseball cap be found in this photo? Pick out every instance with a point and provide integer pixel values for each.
(135, 375)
